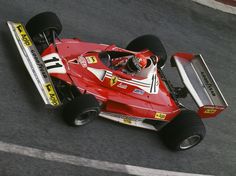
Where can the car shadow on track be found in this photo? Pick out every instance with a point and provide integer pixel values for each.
(152, 136)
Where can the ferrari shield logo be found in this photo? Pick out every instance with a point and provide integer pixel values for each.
(113, 80)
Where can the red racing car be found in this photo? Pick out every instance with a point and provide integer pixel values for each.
(124, 85)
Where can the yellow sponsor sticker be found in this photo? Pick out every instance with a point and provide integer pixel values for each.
(91, 59)
(113, 80)
(51, 94)
(23, 34)
(210, 111)
(127, 120)
(159, 115)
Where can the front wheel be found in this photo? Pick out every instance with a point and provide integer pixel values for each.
(82, 110)
(184, 132)
(41, 27)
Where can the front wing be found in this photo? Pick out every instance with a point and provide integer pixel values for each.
(34, 64)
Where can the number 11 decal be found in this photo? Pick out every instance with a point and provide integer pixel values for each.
(53, 63)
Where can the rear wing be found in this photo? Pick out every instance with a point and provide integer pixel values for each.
(200, 83)
(34, 64)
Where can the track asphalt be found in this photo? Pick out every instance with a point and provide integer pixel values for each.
(183, 26)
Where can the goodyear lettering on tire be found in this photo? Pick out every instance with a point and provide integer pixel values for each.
(24, 36)
(52, 96)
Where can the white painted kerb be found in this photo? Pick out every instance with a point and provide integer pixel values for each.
(217, 5)
(84, 162)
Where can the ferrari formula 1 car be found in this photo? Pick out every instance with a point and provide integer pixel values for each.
(80, 77)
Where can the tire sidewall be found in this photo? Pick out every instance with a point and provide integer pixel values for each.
(187, 135)
(79, 106)
(43, 22)
(185, 125)
(88, 119)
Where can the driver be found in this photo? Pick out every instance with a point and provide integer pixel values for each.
(130, 64)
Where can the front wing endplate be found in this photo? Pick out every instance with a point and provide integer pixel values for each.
(34, 64)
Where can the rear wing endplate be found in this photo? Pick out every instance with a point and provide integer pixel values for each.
(200, 83)
(34, 64)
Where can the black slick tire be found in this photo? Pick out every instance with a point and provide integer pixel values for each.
(82, 110)
(44, 22)
(184, 132)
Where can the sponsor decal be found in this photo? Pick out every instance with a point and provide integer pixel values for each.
(39, 63)
(113, 80)
(51, 94)
(126, 120)
(133, 81)
(91, 59)
(139, 91)
(122, 86)
(54, 63)
(159, 115)
(208, 84)
(142, 86)
(82, 62)
(24, 35)
(210, 111)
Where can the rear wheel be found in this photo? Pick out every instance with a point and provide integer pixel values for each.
(184, 132)
(152, 43)
(43, 27)
(81, 110)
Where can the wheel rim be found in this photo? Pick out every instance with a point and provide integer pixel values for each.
(85, 117)
(190, 142)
